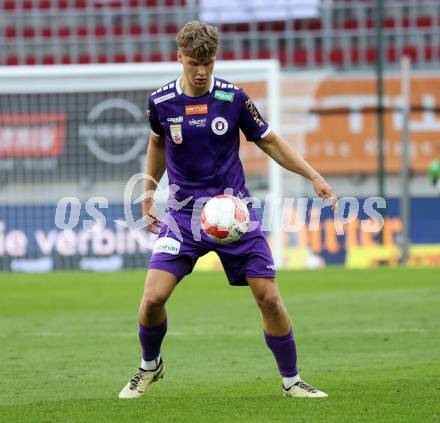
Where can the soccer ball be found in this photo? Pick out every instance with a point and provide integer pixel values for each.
(225, 218)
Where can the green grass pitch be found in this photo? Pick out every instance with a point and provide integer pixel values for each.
(68, 343)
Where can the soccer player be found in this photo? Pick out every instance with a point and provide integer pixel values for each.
(195, 123)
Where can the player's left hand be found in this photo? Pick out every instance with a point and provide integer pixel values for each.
(325, 191)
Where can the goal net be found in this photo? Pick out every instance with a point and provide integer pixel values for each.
(73, 139)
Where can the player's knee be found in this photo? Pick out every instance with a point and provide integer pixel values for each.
(269, 302)
(152, 301)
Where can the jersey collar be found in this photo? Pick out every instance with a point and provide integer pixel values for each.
(179, 89)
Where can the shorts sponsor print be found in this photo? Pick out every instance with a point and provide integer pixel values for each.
(248, 257)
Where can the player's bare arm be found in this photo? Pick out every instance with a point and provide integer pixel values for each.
(274, 146)
(155, 168)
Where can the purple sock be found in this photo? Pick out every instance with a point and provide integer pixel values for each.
(284, 351)
(151, 339)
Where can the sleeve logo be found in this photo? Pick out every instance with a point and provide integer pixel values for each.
(164, 98)
(219, 126)
(224, 96)
(254, 112)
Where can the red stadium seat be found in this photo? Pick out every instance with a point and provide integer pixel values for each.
(391, 55)
(48, 59)
(174, 3)
(154, 29)
(271, 26)
(278, 26)
(12, 60)
(30, 60)
(354, 56)
(282, 56)
(318, 55)
(171, 29)
(242, 27)
(173, 57)
(406, 22)
(424, 21)
(64, 31)
(100, 31)
(246, 55)
(63, 4)
(82, 31)
(227, 55)
(118, 30)
(44, 5)
(263, 54)
(351, 24)
(226, 28)
(138, 57)
(46, 32)
(84, 59)
(371, 55)
(428, 54)
(300, 57)
(27, 5)
(120, 58)
(11, 32)
(336, 56)
(411, 52)
(102, 58)
(80, 4)
(66, 60)
(28, 32)
(155, 57)
(9, 5)
(314, 25)
(136, 30)
(389, 23)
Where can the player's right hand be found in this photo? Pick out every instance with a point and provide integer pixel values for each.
(149, 213)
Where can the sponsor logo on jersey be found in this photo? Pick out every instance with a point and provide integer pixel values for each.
(164, 98)
(196, 109)
(176, 133)
(254, 112)
(167, 245)
(224, 96)
(178, 119)
(199, 123)
(219, 126)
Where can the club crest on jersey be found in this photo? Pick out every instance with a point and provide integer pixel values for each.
(176, 133)
(196, 109)
(219, 126)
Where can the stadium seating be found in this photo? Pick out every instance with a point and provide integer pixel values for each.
(133, 30)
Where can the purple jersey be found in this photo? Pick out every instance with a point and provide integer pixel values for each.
(202, 137)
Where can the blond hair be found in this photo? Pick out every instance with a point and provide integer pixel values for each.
(198, 40)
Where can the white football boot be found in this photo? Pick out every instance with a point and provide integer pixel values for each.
(136, 386)
(303, 390)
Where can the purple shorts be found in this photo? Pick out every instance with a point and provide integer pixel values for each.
(177, 250)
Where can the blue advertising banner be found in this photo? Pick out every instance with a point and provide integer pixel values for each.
(31, 241)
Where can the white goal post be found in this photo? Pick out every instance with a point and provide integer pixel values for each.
(55, 94)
